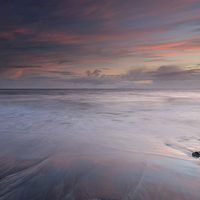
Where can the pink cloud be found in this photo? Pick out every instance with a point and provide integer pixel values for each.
(17, 74)
(107, 34)
(11, 35)
(159, 46)
(7, 35)
(190, 44)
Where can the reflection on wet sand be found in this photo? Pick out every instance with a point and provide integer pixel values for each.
(121, 177)
(99, 145)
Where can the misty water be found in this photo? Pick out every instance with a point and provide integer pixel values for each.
(99, 144)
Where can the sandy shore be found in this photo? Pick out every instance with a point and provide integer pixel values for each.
(123, 176)
(99, 145)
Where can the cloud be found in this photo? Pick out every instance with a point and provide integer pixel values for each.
(155, 60)
(17, 74)
(165, 76)
(136, 73)
(24, 66)
(64, 61)
(4, 69)
(168, 69)
(139, 75)
(96, 72)
(61, 72)
(172, 72)
(105, 68)
(94, 80)
(187, 44)
(100, 34)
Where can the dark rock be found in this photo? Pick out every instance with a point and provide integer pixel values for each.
(196, 154)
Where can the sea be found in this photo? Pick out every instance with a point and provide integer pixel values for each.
(99, 144)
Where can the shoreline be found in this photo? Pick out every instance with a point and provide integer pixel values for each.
(139, 176)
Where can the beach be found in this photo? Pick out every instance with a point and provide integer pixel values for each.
(99, 144)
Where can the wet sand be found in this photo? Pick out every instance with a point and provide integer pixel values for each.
(121, 177)
(99, 145)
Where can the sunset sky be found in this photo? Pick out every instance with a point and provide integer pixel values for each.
(100, 44)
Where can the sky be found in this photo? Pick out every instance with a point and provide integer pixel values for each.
(100, 44)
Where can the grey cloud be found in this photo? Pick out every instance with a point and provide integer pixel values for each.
(65, 61)
(4, 67)
(162, 77)
(135, 74)
(168, 73)
(168, 69)
(104, 68)
(96, 72)
(88, 72)
(24, 66)
(172, 72)
(96, 80)
(61, 72)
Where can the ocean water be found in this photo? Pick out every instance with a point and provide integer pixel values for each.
(99, 144)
